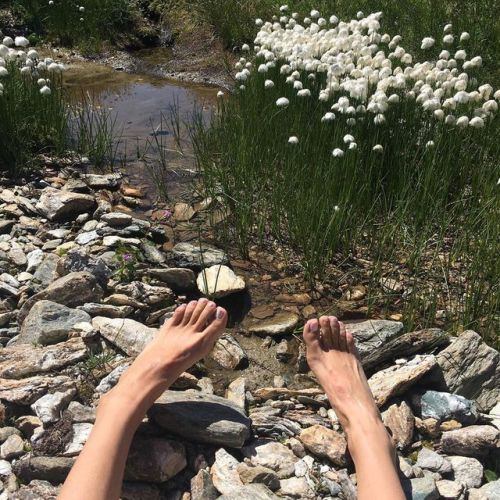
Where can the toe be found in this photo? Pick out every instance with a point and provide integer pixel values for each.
(311, 333)
(334, 325)
(198, 310)
(178, 315)
(326, 333)
(206, 316)
(351, 345)
(189, 312)
(342, 338)
(216, 327)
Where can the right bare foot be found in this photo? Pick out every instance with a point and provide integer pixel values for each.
(333, 357)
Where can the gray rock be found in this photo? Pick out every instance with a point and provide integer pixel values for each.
(54, 469)
(202, 487)
(129, 335)
(23, 360)
(219, 281)
(466, 470)
(78, 260)
(236, 392)
(401, 422)
(296, 487)
(152, 254)
(5, 468)
(86, 238)
(16, 254)
(46, 272)
(258, 474)
(6, 432)
(49, 407)
(7, 290)
(224, 473)
(273, 455)
(107, 310)
(34, 259)
(430, 460)
(152, 295)
(178, 279)
(445, 406)
(154, 460)
(59, 205)
(12, 447)
(81, 433)
(490, 491)
(250, 492)
(471, 369)
(373, 334)
(450, 490)
(49, 323)
(72, 290)
(26, 391)
(27, 424)
(115, 241)
(205, 418)
(495, 415)
(81, 414)
(108, 382)
(117, 219)
(228, 353)
(280, 324)
(198, 256)
(37, 490)
(101, 181)
(475, 440)
(423, 488)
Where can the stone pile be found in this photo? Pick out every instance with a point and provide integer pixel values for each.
(73, 315)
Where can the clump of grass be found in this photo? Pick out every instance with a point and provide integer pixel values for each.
(405, 184)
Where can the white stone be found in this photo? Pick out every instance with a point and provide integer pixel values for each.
(219, 281)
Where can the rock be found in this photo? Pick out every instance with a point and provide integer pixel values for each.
(16, 254)
(5, 469)
(236, 392)
(284, 352)
(53, 469)
(34, 259)
(468, 471)
(430, 460)
(273, 455)
(202, 487)
(23, 360)
(296, 487)
(49, 323)
(219, 281)
(152, 254)
(428, 427)
(60, 206)
(129, 335)
(450, 490)
(471, 369)
(116, 241)
(423, 488)
(228, 353)
(12, 447)
(6, 432)
(206, 418)
(250, 492)
(152, 295)
(6, 226)
(183, 212)
(371, 335)
(404, 345)
(445, 406)
(46, 272)
(37, 490)
(107, 310)
(490, 491)
(178, 279)
(49, 407)
(87, 237)
(198, 256)
(81, 433)
(494, 415)
(280, 324)
(117, 219)
(26, 391)
(97, 181)
(400, 420)
(325, 443)
(258, 474)
(475, 441)
(27, 424)
(397, 379)
(266, 393)
(72, 290)
(78, 260)
(224, 473)
(154, 460)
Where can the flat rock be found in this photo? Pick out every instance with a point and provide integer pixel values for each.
(280, 324)
(296, 487)
(467, 470)
(266, 393)
(49, 323)
(26, 391)
(471, 369)
(205, 418)
(258, 474)
(71, 290)
(59, 206)
(198, 256)
(219, 281)
(445, 406)
(430, 460)
(54, 469)
(87, 237)
(49, 407)
(152, 254)
(423, 488)
(450, 490)
(115, 241)
(81, 433)
(397, 379)
(325, 443)
(228, 353)
(129, 335)
(250, 492)
(81, 414)
(117, 219)
(400, 420)
(154, 460)
(107, 310)
(472, 441)
(178, 279)
(101, 181)
(273, 455)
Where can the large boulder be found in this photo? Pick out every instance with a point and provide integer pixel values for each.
(129, 335)
(60, 206)
(72, 290)
(471, 369)
(50, 323)
(205, 418)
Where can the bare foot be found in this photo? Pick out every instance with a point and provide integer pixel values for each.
(333, 357)
(182, 341)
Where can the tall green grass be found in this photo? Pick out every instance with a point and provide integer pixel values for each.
(429, 213)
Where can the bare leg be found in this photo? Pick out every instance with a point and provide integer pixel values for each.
(185, 339)
(332, 356)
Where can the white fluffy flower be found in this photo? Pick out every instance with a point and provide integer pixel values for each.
(353, 146)
(282, 102)
(490, 106)
(304, 93)
(427, 43)
(464, 36)
(348, 138)
(447, 28)
(3, 71)
(337, 153)
(8, 41)
(259, 22)
(41, 82)
(334, 20)
(262, 68)
(476, 122)
(460, 55)
(439, 114)
(293, 140)
(220, 94)
(328, 117)
(430, 144)
(81, 9)
(448, 39)
(463, 122)
(283, 8)
(20, 41)
(245, 47)
(450, 120)
(45, 90)
(378, 148)
(314, 14)
(379, 119)
(268, 84)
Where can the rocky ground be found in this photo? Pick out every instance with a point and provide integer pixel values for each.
(85, 282)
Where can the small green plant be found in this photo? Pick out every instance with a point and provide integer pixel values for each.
(99, 361)
(127, 258)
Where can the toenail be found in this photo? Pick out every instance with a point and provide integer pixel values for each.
(211, 304)
(193, 302)
(220, 313)
(314, 325)
(203, 300)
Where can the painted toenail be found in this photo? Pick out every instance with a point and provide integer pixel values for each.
(314, 326)
(220, 313)
(203, 300)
